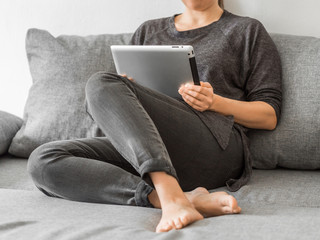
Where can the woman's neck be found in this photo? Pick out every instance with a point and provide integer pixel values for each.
(191, 19)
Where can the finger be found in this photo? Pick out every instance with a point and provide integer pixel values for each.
(193, 87)
(125, 75)
(193, 100)
(196, 106)
(206, 84)
(198, 95)
(205, 90)
(196, 98)
(187, 83)
(201, 96)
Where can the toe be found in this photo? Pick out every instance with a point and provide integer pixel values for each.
(201, 189)
(177, 223)
(227, 210)
(237, 210)
(184, 220)
(163, 227)
(231, 202)
(221, 193)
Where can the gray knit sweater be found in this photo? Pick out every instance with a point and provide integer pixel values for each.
(237, 57)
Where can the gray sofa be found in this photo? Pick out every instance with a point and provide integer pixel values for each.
(281, 201)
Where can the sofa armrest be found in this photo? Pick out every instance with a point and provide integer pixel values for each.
(9, 126)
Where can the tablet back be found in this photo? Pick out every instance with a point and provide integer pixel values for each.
(161, 68)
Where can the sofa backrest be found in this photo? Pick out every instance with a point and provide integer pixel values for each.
(70, 60)
(60, 68)
(296, 141)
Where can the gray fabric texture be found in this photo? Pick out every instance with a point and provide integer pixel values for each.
(281, 187)
(60, 68)
(30, 215)
(9, 125)
(276, 204)
(14, 175)
(296, 141)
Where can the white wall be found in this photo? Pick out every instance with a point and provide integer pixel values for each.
(298, 17)
(81, 17)
(84, 17)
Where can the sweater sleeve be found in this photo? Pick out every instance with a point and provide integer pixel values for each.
(138, 36)
(262, 68)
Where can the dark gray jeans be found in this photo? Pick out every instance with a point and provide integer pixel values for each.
(145, 131)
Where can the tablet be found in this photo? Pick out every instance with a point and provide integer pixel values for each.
(162, 68)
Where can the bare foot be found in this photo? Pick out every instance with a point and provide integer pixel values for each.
(177, 210)
(177, 215)
(212, 204)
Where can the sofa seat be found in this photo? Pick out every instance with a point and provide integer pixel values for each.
(276, 204)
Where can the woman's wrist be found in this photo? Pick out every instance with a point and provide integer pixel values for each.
(215, 103)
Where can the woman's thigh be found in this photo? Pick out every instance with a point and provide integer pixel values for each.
(194, 151)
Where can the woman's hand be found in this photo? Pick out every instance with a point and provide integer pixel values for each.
(199, 97)
(125, 75)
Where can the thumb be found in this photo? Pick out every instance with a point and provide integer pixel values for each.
(205, 84)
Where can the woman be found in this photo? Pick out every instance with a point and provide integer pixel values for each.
(156, 147)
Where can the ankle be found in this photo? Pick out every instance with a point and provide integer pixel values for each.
(181, 200)
(154, 199)
(167, 188)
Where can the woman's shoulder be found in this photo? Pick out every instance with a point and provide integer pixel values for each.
(155, 24)
(241, 31)
(240, 24)
(149, 29)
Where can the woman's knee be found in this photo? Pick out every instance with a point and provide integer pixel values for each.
(97, 82)
(41, 157)
(100, 87)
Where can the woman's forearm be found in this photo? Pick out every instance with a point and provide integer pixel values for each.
(256, 114)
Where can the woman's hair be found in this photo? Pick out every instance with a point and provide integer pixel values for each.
(220, 2)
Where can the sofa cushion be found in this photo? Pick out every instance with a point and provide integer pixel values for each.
(14, 175)
(280, 187)
(296, 141)
(9, 125)
(60, 68)
(276, 204)
(33, 215)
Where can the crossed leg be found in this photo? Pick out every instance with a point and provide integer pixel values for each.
(181, 209)
(154, 126)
